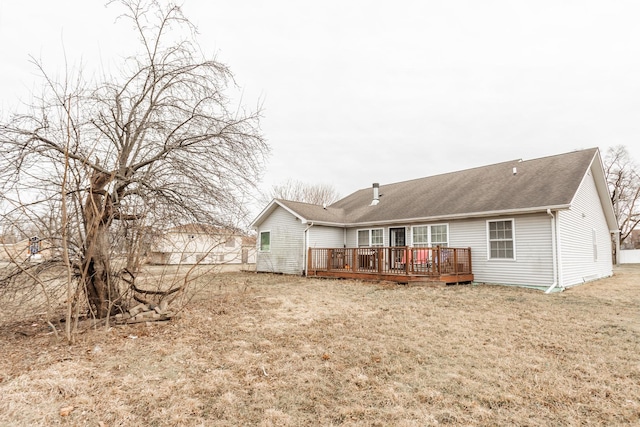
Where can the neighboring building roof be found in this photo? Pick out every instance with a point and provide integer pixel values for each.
(509, 187)
(248, 240)
(198, 228)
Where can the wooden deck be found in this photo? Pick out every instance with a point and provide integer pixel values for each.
(398, 264)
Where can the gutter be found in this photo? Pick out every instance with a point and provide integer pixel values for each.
(306, 247)
(554, 252)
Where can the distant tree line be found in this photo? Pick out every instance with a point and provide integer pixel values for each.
(298, 191)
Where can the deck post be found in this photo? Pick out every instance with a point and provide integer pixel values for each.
(309, 261)
(354, 260)
(469, 258)
(455, 260)
(407, 259)
(329, 259)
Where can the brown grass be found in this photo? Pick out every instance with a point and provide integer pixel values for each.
(270, 350)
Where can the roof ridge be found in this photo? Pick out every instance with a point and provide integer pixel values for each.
(577, 150)
(298, 202)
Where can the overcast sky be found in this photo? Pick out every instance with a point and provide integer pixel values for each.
(356, 92)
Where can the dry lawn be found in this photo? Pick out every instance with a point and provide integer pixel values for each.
(267, 350)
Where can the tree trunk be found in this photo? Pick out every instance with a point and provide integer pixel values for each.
(102, 291)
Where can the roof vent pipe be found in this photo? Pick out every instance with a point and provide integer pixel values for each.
(515, 171)
(376, 194)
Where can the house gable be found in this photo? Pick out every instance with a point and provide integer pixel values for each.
(286, 235)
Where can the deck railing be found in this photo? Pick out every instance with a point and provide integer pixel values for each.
(418, 261)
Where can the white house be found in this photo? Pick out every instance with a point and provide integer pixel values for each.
(203, 244)
(545, 223)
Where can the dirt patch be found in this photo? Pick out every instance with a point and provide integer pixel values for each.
(267, 350)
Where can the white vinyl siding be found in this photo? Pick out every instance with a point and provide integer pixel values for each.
(352, 238)
(534, 264)
(326, 237)
(286, 244)
(583, 235)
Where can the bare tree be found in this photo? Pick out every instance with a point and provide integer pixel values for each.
(624, 186)
(297, 191)
(158, 144)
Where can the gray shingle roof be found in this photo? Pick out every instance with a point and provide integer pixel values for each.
(315, 212)
(537, 184)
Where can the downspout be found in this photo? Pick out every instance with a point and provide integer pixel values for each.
(554, 252)
(306, 248)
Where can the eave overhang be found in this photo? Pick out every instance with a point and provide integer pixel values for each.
(542, 209)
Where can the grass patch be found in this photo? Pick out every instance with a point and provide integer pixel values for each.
(270, 350)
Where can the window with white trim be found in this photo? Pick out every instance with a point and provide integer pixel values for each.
(265, 241)
(439, 235)
(371, 237)
(501, 239)
(430, 235)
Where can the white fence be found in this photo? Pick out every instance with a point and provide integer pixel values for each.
(630, 256)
